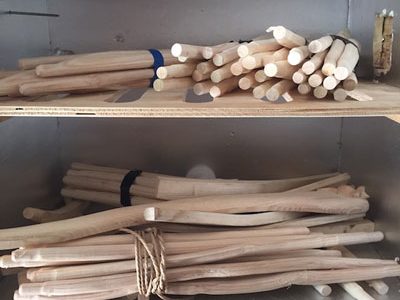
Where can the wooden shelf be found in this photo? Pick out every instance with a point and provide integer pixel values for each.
(172, 104)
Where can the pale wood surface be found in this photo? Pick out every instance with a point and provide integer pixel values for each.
(236, 104)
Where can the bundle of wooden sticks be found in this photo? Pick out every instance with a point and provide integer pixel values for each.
(197, 236)
(270, 67)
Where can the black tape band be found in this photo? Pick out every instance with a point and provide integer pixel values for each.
(344, 40)
(129, 179)
(241, 41)
(158, 62)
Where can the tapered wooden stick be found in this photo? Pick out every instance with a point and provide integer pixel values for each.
(350, 83)
(192, 217)
(347, 61)
(32, 62)
(297, 55)
(316, 79)
(104, 62)
(70, 210)
(248, 81)
(332, 57)
(202, 88)
(286, 38)
(173, 84)
(209, 52)
(304, 88)
(280, 69)
(270, 282)
(314, 63)
(260, 91)
(279, 89)
(177, 70)
(320, 92)
(190, 51)
(321, 44)
(206, 67)
(224, 86)
(226, 56)
(258, 46)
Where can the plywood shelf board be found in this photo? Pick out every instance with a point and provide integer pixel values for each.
(238, 104)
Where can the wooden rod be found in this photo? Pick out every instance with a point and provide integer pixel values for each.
(281, 54)
(209, 52)
(197, 76)
(320, 92)
(351, 82)
(323, 289)
(356, 291)
(299, 77)
(260, 76)
(297, 55)
(226, 56)
(256, 60)
(304, 88)
(189, 51)
(330, 83)
(321, 44)
(206, 67)
(208, 218)
(315, 63)
(177, 70)
(260, 91)
(286, 38)
(336, 180)
(237, 67)
(280, 69)
(332, 57)
(316, 79)
(222, 73)
(258, 46)
(279, 89)
(9, 86)
(104, 62)
(347, 62)
(173, 84)
(8, 73)
(224, 86)
(248, 81)
(32, 62)
(202, 88)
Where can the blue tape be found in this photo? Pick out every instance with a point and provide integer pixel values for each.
(158, 62)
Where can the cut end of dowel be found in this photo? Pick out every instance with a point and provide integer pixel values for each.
(294, 58)
(158, 85)
(324, 290)
(315, 46)
(341, 73)
(150, 214)
(340, 95)
(243, 51)
(328, 69)
(176, 50)
(183, 59)
(216, 77)
(236, 69)
(271, 70)
(320, 92)
(299, 77)
(244, 83)
(207, 52)
(304, 88)
(215, 92)
(162, 72)
(330, 83)
(272, 94)
(249, 62)
(28, 213)
(260, 76)
(279, 32)
(218, 60)
(308, 67)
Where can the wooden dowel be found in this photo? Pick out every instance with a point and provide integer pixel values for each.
(258, 46)
(320, 92)
(286, 38)
(202, 88)
(7, 73)
(104, 62)
(6, 262)
(260, 76)
(9, 86)
(356, 291)
(226, 56)
(197, 76)
(112, 294)
(32, 62)
(222, 73)
(206, 67)
(173, 84)
(304, 88)
(332, 57)
(70, 210)
(350, 83)
(316, 79)
(79, 227)
(97, 175)
(190, 51)
(336, 180)
(88, 167)
(279, 89)
(280, 69)
(281, 54)
(207, 218)
(237, 68)
(299, 77)
(321, 44)
(176, 71)
(209, 52)
(248, 81)
(297, 55)
(260, 91)
(270, 282)
(323, 289)
(347, 62)
(256, 60)
(224, 86)
(330, 82)
(315, 63)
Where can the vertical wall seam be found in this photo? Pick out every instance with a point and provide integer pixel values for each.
(48, 29)
(340, 145)
(348, 14)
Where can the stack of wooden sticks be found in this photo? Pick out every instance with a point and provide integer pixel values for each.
(219, 237)
(270, 67)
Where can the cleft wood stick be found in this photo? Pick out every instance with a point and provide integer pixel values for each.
(197, 76)
(206, 67)
(222, 73)
(286, 38)
(260, 76)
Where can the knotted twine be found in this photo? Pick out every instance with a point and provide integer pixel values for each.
(150, 262)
